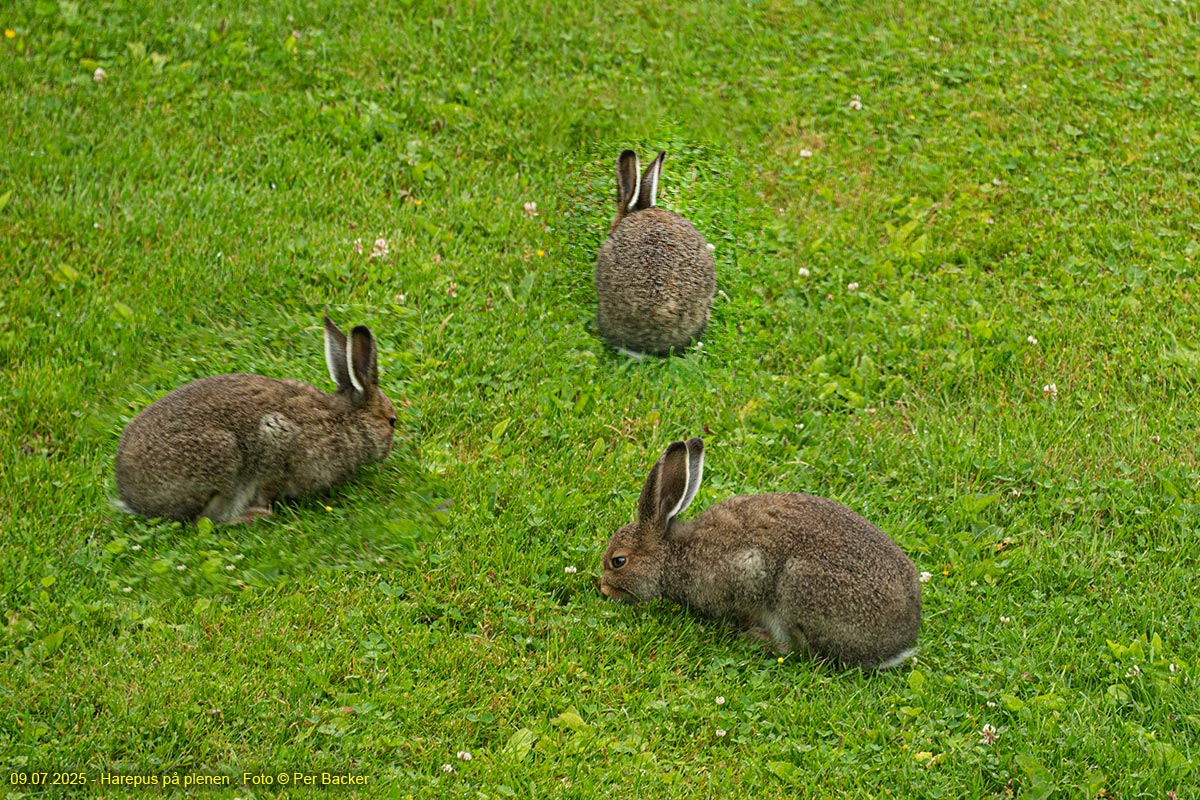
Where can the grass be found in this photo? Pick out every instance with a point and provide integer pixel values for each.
(1010, 390)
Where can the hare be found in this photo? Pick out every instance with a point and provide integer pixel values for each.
(225, 447)
(798, 570)
(655, 276)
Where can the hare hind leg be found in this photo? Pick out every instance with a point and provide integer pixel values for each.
(247, 499)
(234, 506)
(253, 513)
(897, 659)
(777, 634)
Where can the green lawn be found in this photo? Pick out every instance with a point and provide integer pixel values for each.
(956, 254)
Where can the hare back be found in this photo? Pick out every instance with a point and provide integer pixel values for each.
(655, 281)
(216, 445)
(809, 570)
(234, 403)
(790, 522)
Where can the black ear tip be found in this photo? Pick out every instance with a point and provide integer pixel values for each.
(362, 330)
(695, 443)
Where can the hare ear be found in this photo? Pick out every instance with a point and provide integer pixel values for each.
(649, 188)
(627, 182)
(695, 463)
(665, 488)
(360, 353)
(335, 356)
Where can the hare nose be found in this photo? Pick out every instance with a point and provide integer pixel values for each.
(607, 590)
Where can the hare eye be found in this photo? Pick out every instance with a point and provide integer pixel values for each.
(617, 562)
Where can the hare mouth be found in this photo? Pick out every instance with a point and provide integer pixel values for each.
(621, 595)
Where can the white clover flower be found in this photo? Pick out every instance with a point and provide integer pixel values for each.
(570, 570)
(852, 286)
(1173, 667)
(127, 589)
(1031, 339)
(720, 732)
(988, 734)
(1006, 620)
(856, 103)
(182, 567)
(720, 701)
(1133, 672)
(806, 153)
(530, 209)
(99, 75)
(447, 768)
(136, 548)
(358, 248)
(711, 247)
(463, 755)
(380, 249)
(1051, 391)
(926, 577)
(803, 272)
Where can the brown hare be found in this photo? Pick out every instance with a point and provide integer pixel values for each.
(225, 447)
(655, 276)
(803, 571)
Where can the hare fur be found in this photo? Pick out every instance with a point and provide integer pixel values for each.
(807, 572)
(655, 275)
(226, 446)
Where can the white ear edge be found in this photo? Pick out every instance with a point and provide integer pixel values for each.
(682, 504)
(330, 355)
(695, 475)
(637, 184)
(693, 465)
(358, 387)
(655, 171)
